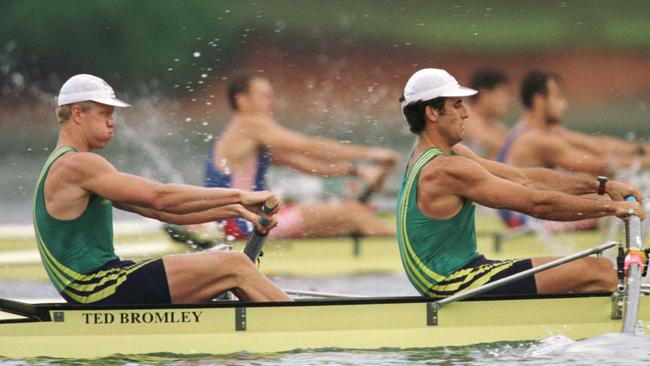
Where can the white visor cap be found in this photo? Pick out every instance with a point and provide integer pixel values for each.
(85, 87)
(428, 84)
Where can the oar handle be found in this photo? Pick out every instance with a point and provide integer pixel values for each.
(633, 228)
(602, 182)
(365, 195)
(254, 245)
(267, 208)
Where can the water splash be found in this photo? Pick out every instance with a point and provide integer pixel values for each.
(609, 349)
(148, 136)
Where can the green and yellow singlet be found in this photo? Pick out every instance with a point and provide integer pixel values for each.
(70, 249)
(430, 249)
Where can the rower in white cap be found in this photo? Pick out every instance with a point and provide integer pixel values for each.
(435, 215)
(76, 192)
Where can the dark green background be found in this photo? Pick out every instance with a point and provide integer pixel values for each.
(134, 43)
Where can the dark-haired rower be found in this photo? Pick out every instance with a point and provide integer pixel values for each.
(486, 134)
(540, 140)
(253, 140)
(435, 215)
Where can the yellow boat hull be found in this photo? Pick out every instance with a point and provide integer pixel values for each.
(351, 324)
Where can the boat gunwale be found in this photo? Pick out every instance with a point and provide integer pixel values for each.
(42, 310)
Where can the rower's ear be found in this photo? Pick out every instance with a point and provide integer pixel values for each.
(431, 113)
(75, 113)
(538, 101)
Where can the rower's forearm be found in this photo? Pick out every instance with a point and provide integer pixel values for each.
(183, 199)
(628, 161)
(323, 168)
(562, 207)
(334, 150)
(210, 215)
(570, 183)
(617, 146)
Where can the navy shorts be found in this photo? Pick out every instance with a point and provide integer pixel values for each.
(480, 271)
(121, 282)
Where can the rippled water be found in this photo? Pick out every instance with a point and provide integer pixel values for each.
(609, 349)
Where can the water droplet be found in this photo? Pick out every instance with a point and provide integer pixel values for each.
(204, 76)
(188, 119)
(196, 54)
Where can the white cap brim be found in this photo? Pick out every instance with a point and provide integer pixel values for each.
(111, 101)
(460, 91)
(447, 92)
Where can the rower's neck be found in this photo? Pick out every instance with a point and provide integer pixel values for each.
(429, 140)
(68, 137)
(535, 119)
(483, 112)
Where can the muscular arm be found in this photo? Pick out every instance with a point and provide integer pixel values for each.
(284, 142)
(214, 214)
(311, 165)
(535, 178)
(549, 179)
(560, 153)
(94, 174)
(466, 178)
(596, 144)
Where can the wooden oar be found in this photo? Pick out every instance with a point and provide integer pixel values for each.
(254, 245)
(364, 197)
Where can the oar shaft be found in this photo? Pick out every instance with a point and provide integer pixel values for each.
(365, 195)
(18, 308)
(632, 302)
(634, 271)
(524, 274)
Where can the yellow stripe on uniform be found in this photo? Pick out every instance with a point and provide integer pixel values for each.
(491, 270)
(66, 279)
(119, 278)
(411, 260)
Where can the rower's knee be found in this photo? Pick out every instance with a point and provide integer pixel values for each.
(241, 266)
(604, 274)
(355, 209)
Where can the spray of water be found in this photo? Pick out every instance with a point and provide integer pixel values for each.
(148, 136)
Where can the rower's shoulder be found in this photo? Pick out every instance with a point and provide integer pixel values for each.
(536, 138)
(256, 120)
(256, 127)
(80, 162)
(444, 166)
